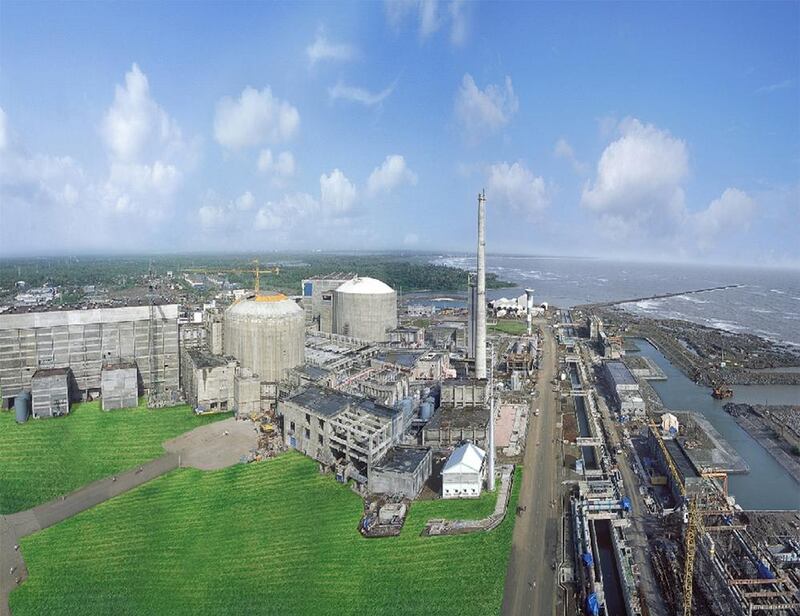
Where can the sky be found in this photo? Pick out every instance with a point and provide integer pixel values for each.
(647, 131)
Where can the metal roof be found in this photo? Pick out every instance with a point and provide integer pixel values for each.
(619, 373)
(403, 459)
(467, 458)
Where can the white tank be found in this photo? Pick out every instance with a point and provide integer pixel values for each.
(364, 308)
(266, 335)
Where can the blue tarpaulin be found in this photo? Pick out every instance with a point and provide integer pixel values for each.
(625, 503)
(592, 605)
(587, 559)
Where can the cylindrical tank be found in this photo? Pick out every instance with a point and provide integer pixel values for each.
(22, 406)
(364, 308)
(426, 409)
(266, 335)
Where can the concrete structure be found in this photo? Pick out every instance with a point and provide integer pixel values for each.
(208, 380)
(248, 394)
(669, 424)
(464, 392)
(451, 426)
(462, 475)
(624, 389)
(266, 335)
(83, 340)
(529, 310)
(119, 385)
(340, 430)
(402, 472)
(364, 308)
(410, 337)
(472, 320)
(318, 299)
(480, 305)
(50, 388)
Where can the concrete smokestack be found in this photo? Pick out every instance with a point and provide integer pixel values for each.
(529, 293)
(480, 308)
(490, 466)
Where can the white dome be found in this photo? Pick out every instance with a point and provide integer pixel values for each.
(366, 286)
(270, 308)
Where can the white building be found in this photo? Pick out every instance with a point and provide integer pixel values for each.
(669, 423)
(462, 475)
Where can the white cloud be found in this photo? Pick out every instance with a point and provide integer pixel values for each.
(732, 211)
(430, 17)
(411, 239)
(639, 176)
(245, 201)
(389, 175)
(282, 167)
(267, 220)
(484, 111)
(355, 94)
(256, 117)
(564, 150)
(323, 49)
(211, 216)
(337, 193)
(774, 87)
(135, 125)
(515, 187)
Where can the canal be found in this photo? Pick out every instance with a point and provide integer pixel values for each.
(768, 485)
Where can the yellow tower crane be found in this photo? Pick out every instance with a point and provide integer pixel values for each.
(256, 271)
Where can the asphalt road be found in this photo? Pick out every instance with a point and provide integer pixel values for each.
(531, 586)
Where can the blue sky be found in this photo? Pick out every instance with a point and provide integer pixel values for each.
(662, 131)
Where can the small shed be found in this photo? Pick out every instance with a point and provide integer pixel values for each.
(669, 423)
(50, 392)
(462, 475)
(119, 385)
(403, 471)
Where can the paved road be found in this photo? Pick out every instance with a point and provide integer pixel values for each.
(212, 446)
(536, 532)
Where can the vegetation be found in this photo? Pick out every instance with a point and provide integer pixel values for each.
(403, 272)
(273, 537)
(515, 328)
(42, 459)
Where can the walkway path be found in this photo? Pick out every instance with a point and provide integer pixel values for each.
(212, 446)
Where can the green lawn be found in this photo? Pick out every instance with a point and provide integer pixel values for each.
(268, 538)
(514, 328)
(44, 458)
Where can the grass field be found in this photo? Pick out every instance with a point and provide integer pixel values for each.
(42, 459)
(269, 538)
(514, 328)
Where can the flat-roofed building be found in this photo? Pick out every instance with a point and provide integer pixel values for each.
(119, 385)
(451, 426)
(403, 471)
(208, 380)
(50, 392)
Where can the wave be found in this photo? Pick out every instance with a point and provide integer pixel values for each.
(778, 291)
(762, 310)
(689, 298)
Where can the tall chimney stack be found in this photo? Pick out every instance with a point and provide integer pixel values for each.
(529, 293)
(480, 308)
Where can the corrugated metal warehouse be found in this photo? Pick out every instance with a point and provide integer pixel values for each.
(83, 340)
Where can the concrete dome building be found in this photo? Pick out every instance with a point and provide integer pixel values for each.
(364, 308)
(266, 334)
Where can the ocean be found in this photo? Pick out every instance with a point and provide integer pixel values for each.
(766, 304)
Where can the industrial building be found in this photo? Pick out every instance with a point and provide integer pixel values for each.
(364, 308)
(462, 475)
(119, 385)
(83, 340)
(50, 390)
(624, 389)
(207, 380)
(266, 335)
(407, 336)
(340, 430)
(317, 299)
(403, 471)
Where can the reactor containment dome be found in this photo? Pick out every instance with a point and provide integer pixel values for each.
(364, 308)
(266, 334)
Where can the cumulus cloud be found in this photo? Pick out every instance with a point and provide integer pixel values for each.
(638, 192)
(245, 201)
(281, 167)
(135, 124)
(3, 130)
(355, 94)
(733, 210)
(322, 49)
(255, 118)
(564, 151)
(411, 239)
(337, 193)
(430, 16)
(216, 213)
(483, 112)
(516, 187)
(392, 173)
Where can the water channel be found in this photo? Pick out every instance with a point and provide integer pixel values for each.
(768, 485)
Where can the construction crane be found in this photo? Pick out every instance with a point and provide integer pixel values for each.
(256, 271)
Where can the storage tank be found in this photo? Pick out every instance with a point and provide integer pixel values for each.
(266, 334)
(426, 409)
(364, 308)
(22, 406)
